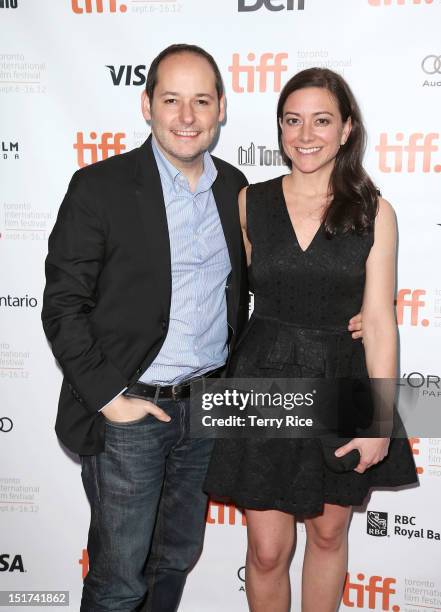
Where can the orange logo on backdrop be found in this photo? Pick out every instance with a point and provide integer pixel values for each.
(97, 6)
(108, 144)
(84, 562)
(399, 2)
(402, 155)
(416, 451)
(234, 514)
(408, 300)
(369, 593)
(268, 63)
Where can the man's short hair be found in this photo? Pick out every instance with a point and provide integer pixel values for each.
(152, 76)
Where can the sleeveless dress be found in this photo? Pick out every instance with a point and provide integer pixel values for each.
(303, 301)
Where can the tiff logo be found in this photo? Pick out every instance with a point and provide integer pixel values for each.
(84, 562)
(272, 5)
(8, 4)
(421, 146)
(109, 144)
(268, 63)
(134, 75)
(410, 300)
(233, 513)
(97, 6)
(364, 596)
(414, 446)
(267, 157)
(398, 2)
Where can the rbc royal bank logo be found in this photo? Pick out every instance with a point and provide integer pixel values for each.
(246, 6)
(101, 147)
(377, 523)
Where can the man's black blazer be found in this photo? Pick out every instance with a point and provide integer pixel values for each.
(106, 304)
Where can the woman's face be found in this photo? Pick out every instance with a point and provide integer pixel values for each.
(312, 129)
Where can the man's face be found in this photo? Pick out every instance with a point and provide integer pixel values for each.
(185, 111)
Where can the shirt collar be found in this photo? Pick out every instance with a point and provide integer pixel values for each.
(166, 169)
(173, 176)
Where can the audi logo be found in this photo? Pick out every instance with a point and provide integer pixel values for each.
(431, 64)
(5, 424)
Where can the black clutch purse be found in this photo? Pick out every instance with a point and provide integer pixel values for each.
(339, 464)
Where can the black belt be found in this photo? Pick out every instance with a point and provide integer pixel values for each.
(175, 392)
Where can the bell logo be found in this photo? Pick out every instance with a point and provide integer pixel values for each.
(398, 2)
(9, 563)
(269, 62)
(84, 562)
(410, 300)
(109, 144)
(367, 594)
(402, 157)
(233, 513)
(97, 6)
(245, 6)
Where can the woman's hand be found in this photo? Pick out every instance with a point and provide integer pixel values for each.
(372, 451)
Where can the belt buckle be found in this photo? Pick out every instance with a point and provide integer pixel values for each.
(174, 391)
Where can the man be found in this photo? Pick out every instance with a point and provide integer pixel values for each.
(146, 290)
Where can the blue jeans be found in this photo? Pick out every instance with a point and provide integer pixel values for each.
(147, 512)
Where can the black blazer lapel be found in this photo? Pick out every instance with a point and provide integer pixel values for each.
(151, 207)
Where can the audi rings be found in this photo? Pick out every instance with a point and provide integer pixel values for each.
(431, 64)
(5, 424)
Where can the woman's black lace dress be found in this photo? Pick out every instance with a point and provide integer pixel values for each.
(303, 301)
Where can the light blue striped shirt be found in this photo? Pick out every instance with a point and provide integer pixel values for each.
(197, 336)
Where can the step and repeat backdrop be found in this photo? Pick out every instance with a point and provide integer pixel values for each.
(71, 77)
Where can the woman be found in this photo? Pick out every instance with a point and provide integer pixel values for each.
(320, 244)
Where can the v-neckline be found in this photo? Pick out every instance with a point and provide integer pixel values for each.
(293, 229)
